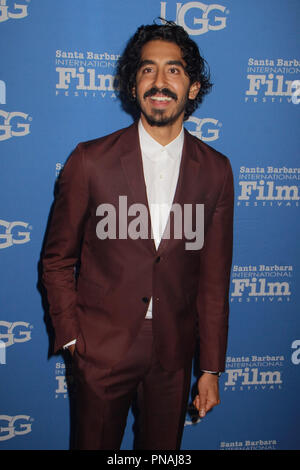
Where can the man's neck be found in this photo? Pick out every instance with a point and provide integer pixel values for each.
(164, 134)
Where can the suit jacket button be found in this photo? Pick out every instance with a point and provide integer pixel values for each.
(157, 259)
(145, 299)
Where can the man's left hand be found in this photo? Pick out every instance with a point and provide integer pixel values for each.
(208, 393)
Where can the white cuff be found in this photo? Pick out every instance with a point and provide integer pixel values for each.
(212, 372)
(69, 344)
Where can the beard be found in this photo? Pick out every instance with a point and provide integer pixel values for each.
(160, 117)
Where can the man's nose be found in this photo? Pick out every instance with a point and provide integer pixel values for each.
(160, 79)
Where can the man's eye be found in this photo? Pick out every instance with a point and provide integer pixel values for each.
(174, 70)
(147, 70)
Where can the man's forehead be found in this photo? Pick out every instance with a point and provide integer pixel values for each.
(155, 45)
(155, 50)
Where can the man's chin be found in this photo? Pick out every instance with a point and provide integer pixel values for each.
(160, 121)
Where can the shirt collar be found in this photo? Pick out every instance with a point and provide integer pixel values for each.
(152, 149)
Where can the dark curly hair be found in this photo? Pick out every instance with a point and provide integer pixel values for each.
(197, 68)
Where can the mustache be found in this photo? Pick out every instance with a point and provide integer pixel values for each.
(165, 91)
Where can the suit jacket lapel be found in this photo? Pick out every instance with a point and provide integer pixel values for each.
(190, 185)
(131, 161)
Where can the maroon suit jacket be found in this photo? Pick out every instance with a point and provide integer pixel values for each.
(105, 307)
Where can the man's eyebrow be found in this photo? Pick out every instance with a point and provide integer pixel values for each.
(170, 62)
(145, 62)
(176, 62)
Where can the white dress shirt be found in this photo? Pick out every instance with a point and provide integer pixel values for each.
(161, 170)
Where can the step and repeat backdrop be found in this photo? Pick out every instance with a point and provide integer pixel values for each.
(58, 60)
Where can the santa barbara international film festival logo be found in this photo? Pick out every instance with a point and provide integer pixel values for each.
(273, 80)
(12, 123)
(261, 283)
(268, 186)
(11, 10)
(86, 74)
(261, 372)
(196, 17)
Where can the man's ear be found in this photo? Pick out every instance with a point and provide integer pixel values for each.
(194, 90)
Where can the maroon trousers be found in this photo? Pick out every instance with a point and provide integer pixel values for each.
(104, 398)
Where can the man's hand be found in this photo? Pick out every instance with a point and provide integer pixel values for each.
(208, 393)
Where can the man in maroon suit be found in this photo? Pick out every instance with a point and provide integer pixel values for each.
(126, 211)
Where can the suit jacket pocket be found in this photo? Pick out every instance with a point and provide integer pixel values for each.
(90, 293)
